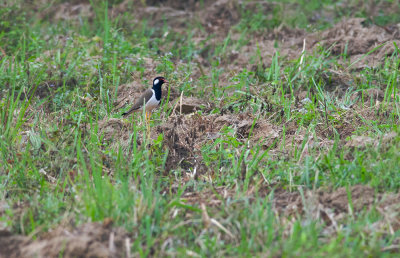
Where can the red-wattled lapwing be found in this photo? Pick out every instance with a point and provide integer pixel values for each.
(150, 99)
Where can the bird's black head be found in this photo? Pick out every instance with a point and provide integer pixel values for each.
(158, 81)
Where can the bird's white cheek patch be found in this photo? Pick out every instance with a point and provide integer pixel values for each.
(155, 82)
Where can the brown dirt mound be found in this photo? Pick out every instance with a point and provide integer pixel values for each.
(361, 141)
(361, 197)
(189, 105)
(69, 11)
(357, 35)
(88, 240)
(114, 128)
(329, 206)
(185, 135)
(180, 5)
(357, 38)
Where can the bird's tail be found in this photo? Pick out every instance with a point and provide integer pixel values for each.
(128, 112)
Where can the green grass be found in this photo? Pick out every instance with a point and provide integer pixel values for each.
(59, 80)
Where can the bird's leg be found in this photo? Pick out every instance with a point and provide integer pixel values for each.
(148, 114)
(146, 120)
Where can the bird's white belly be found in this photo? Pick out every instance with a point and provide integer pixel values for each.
(152, 103)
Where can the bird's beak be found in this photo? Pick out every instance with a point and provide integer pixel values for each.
(165, 81)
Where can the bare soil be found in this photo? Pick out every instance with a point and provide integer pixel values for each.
(88, 240)
(184, 135)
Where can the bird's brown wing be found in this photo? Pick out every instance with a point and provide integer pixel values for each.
(140, 101)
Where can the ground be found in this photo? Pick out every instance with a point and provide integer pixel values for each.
(277, 134)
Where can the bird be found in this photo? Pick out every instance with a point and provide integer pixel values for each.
(150, 99)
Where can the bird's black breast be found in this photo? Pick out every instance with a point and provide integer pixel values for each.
(158, 93)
